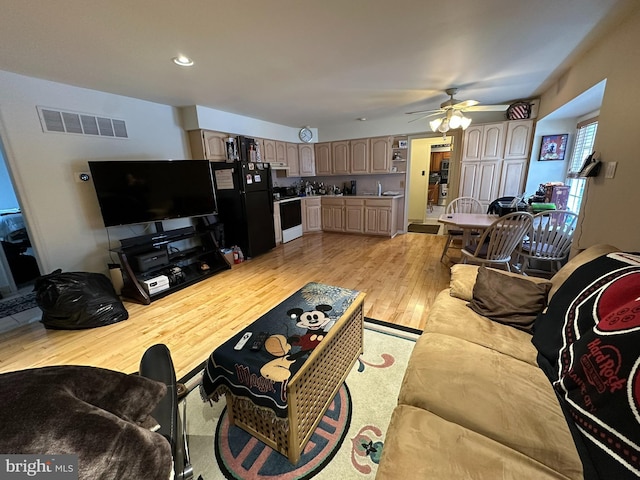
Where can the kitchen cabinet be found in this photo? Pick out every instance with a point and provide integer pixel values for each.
(378, 217)
(494, 163)
(484, 142)
(277, 226)
(359, 152)
(206, 144)
(292, 160)
(281, 152)
(269, 151)
(354, 215)
(380, 161)
(512, 177)
(332, 214)
(340, 159)
(307, 160)
(323, 158)
(480, 180)
(518, 141)
(311, 214)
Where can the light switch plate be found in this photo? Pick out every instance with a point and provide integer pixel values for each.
(610, 171)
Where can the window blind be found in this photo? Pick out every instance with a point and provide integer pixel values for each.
(583, 146)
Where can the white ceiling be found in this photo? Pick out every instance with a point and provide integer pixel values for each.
(297, 62)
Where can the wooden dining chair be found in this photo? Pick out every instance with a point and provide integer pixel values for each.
(498, 242)
(459, 205)
(548, 241)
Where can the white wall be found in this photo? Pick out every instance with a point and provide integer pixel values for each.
(609, 205)
(549, 170)
(63, 217)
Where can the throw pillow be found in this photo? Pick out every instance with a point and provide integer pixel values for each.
(511, 300)
(589, 342)
(463, 278)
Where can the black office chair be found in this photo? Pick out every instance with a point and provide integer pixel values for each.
(493, 206)
(156, 364)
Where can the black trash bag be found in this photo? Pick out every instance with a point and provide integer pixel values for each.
(78, 300)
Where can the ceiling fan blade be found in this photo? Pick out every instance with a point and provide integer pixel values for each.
(466, 104)
(487, 108)
(436, 110)
(424, 116)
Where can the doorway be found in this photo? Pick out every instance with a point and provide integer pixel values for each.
(18, 265)
(425, 178)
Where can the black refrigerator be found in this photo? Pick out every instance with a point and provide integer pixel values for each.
(244, 194)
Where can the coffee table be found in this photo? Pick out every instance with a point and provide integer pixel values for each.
(280, 410)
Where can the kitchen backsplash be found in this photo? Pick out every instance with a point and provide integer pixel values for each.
(364, 183)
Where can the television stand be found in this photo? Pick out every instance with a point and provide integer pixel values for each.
(156, 265)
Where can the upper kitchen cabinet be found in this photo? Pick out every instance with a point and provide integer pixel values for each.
(307, 160)
(269, 151)
(484, 142)
(281, 152)
(518, 142)
(380, 155)
(359, 151)
(293, 160)
(209, 145)
(323, 158)
(340, 158)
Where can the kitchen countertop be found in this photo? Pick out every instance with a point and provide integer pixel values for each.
(365, 196)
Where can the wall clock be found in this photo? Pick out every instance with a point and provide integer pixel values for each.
(305, 134)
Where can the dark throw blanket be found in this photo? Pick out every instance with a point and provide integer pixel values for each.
(100, 415)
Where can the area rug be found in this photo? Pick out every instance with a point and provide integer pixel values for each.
(16, 305)
(346, 445)
(420, 228)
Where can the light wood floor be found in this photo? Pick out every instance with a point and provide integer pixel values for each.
(401, 277)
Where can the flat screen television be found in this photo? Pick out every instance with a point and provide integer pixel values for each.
(139, 191)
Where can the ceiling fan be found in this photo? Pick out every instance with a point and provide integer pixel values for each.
(453, 109)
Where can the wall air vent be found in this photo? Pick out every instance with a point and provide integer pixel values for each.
(58, 121)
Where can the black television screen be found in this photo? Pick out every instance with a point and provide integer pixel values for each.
(138, 191)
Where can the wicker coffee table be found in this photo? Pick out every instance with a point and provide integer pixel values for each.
(310, 389)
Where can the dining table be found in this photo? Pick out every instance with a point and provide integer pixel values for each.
(468, 222)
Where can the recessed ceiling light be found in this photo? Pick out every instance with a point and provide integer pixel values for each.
(362, 119)
(182, 61)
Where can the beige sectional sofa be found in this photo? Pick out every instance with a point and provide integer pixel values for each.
(474, 404)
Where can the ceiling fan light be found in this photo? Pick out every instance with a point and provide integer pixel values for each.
(444, 126)
(434, 124)
(465, 122)
(456, 120)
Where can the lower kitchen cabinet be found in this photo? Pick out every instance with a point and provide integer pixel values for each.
(361, 215)
(276, 222)
(378, 216)
(311, 215)
(354, 215)
(333, 215)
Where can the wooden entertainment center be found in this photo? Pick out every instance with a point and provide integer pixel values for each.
(157, 264)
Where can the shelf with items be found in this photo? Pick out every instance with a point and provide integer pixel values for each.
(167, 262)
(399, 150)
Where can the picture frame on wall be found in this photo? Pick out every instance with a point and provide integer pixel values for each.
(553, 147)
(402, 143)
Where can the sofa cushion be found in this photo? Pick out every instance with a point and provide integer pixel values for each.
(451, 316)
(513, 301)
(420, 444)
(593, 358)
(494, 395)
(463, 279)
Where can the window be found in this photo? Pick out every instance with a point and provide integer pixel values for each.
(585, 138)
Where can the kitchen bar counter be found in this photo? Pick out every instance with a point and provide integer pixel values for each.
(360, 197)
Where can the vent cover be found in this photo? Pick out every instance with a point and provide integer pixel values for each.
(59, 121)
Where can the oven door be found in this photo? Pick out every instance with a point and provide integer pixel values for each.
(291, 220)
